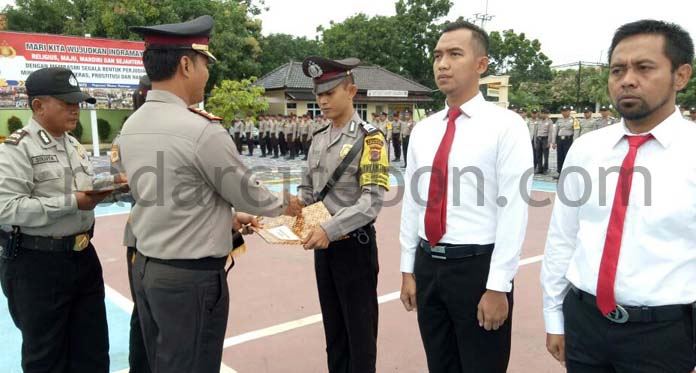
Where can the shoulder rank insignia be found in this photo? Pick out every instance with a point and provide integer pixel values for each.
(44, 137)
(16, 137)
(205, 114)
(368, 128)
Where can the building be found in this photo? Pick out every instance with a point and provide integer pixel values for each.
(289, 91)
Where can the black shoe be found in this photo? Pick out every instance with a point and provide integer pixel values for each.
(396, 160)
(263, 155)
(304, 159)
(275, 157)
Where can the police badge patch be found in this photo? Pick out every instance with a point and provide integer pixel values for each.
(314, 70)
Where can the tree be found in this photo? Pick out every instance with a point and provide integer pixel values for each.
(687, 97)
(278, 49)
(77, 132)
(13, 124)
(231, 98)
(104, 129)
(234, 40)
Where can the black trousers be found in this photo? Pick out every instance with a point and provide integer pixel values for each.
(269, 144)
(291, 146)
(305, 144)
(396, 141)
(56, 299)
(183, 314)
(137, 357)
(250, 143)
(282, 144)
(263, 143)
(347, 282)
(274, 145)
(541, 153)
(404, 145)
(563, 147)
(597, 345)
(238, 142)
(447, 295)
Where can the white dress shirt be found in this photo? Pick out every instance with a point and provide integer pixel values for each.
(494, 140)
(657, 261)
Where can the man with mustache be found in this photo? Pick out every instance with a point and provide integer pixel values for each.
(618, 275)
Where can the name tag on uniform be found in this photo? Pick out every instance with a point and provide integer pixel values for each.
(41, 159)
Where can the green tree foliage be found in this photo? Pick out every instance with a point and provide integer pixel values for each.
(14, 124)
(231, 98)
(278, 49)
(687, 97)
(77, 132)
(104, 129)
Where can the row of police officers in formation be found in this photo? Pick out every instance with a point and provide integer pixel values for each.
(290, 136)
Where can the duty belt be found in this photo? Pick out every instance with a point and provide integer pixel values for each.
(624, 314)
(77, 242)
(450, 251)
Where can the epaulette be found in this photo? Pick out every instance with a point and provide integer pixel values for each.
(320, 130)
(205, 114)
(369, 129)
(16, 137)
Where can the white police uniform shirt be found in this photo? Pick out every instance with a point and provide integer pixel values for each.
(496, 141)
(657, 264)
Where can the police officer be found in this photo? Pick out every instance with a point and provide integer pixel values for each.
(187, 176)
(587, 124)
(290, 130)
(50, 272)
(139, 95)
(282, 141)
(541, 142)
(249, 134)
(238, 127)
(273, 136)
(692, 113)
(262, 135)
(606, 119)
(396, 136)
(406, 128)
(349, 172)
(562, 136)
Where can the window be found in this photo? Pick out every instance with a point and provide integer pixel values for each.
(291, 105)
(362, 110)
(313, 109)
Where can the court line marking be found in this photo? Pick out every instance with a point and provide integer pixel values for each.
(313, 319)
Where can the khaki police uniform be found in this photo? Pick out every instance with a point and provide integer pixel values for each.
(347, 270)
(586, 126)
(406, 128)
(273, 134)
(262, 137)
(54, 284)
(238, 129)
(562, 136)
(604, 122)
(249, 134)
(397, 125)
(187, 179)
(290, 132)
(541, 144)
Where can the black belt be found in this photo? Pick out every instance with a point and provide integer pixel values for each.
(447, 251)
(624, 314)
(204, 264)
(70, 243)
(566, 137)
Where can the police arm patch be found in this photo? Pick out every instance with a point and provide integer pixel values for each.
(374, 163)
(15, 137)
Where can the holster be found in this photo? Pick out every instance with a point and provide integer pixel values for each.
(9, 243)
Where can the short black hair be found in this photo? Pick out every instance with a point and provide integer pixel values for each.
(478, 34)
(161, 64)
(679, 47)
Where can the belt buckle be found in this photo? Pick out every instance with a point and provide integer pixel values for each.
(81, 242)
(619, 315)
(563, 137)
(438, 252)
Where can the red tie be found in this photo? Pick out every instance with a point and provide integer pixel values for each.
(436, 211)
(610, 257)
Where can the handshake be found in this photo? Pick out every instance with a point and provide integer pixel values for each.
(244, 222)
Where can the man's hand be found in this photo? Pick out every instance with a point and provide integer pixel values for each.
(555, 344)
(317, 239)
(88, 201)
(553, 146)
(245, 221)
(408, 291)
(120, 178)
(294, 207)
(492, 310)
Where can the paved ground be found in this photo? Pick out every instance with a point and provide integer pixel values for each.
(275, 321)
